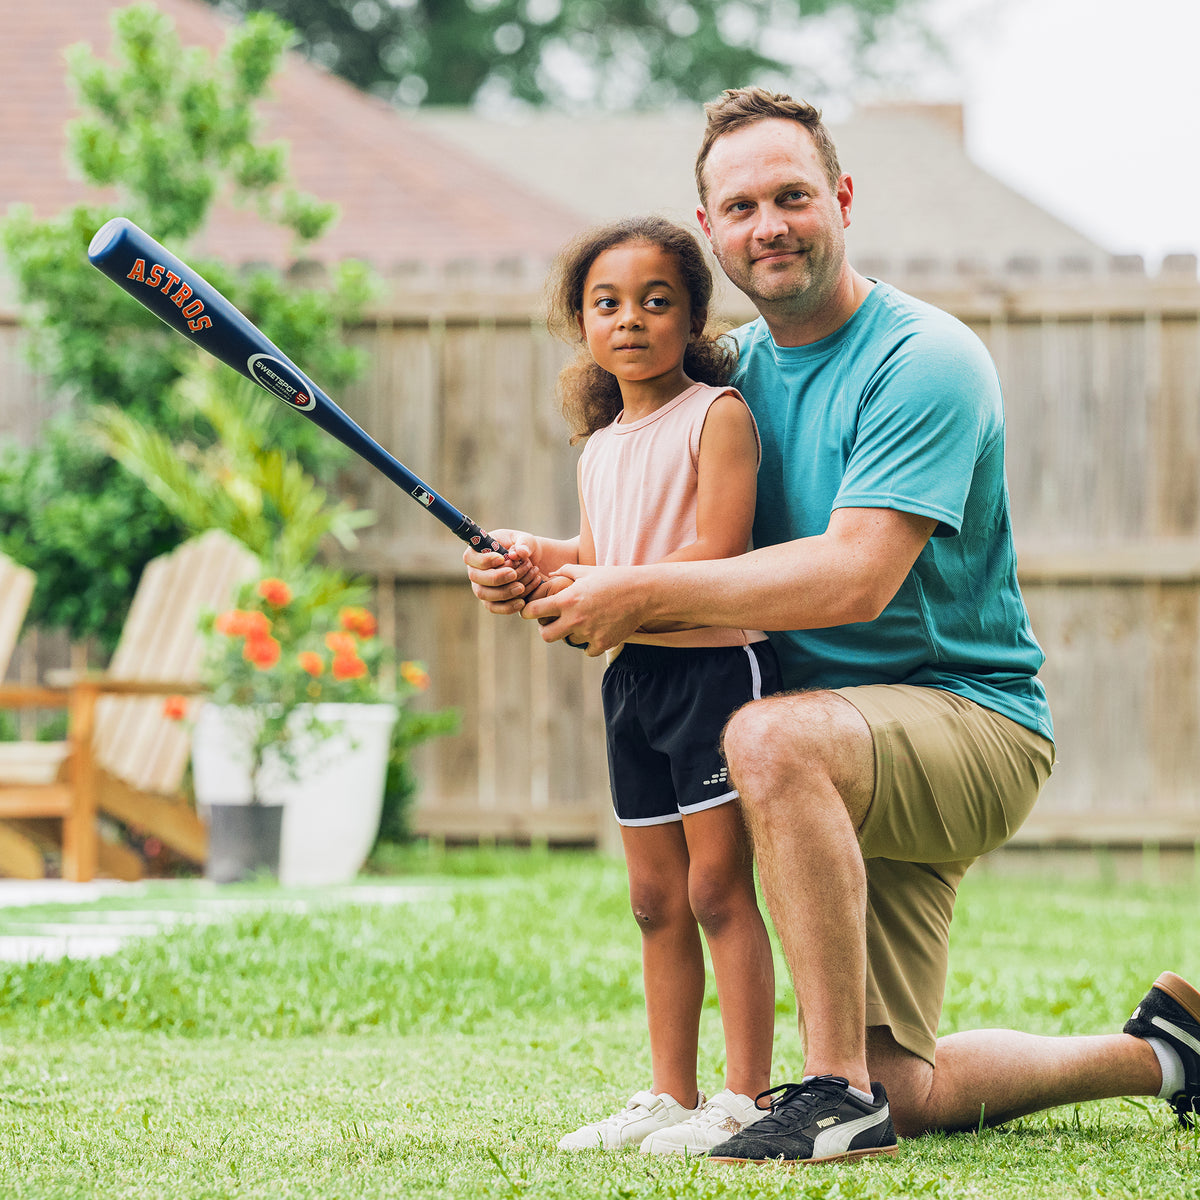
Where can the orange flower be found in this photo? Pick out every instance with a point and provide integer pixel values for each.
(342, 643)
(255, 625)
(238, 622)
(275, 592)
(311, 662)
(263, 652)
(348, 666)
(175, 708)
(230, 623)
(358, 620)
(415, 675)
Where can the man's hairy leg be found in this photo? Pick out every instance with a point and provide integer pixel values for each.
(1001, 1074)
(804, 766)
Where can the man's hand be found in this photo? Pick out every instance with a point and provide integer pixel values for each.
(599, 606)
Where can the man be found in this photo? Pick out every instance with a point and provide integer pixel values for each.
(919, 736)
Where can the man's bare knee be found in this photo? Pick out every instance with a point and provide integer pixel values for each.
(793, 738)
(750, 734)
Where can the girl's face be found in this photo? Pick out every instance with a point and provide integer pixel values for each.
(637, 316)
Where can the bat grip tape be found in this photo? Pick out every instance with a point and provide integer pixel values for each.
(478, 538)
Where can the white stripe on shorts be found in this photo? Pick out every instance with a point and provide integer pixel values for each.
(755, 694)
(667, 820)
(724, 798)
(755, 674)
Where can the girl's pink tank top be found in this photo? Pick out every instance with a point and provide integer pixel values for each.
(639, 484)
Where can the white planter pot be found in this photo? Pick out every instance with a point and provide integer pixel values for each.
(331, 809)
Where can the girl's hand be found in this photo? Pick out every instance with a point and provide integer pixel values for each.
(549, 587)
(500, 581)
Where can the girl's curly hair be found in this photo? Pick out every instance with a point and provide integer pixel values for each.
(589, 395)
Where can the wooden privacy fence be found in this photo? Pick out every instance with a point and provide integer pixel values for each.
(1102, 386)
(465, 396)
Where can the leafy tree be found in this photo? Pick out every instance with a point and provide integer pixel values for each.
(169, 129)
(609, 53)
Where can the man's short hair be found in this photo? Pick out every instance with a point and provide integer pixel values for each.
(738, 107)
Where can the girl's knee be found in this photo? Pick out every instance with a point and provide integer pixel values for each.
(718, 898)
(656, 908)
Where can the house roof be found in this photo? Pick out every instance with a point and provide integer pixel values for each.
(917, 197)
(405, 193)
(445, 187)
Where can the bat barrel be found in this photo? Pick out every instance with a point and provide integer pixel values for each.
(190, 305)
(180, 297)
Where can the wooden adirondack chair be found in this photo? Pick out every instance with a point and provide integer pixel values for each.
(16, 590)
(122, 756)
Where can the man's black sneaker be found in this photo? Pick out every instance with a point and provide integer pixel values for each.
(812, 1122)
(1171, 1011)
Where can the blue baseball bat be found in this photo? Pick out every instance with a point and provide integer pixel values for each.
(190, 305)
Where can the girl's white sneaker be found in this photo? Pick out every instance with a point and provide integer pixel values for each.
(644, 1115)
(724, 1115)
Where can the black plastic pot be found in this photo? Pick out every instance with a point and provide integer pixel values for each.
(243, 841)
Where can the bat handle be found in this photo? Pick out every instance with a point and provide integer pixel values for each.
(479, 539)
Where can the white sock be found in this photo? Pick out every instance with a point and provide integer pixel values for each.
(1172, 1067)
(853, 1090)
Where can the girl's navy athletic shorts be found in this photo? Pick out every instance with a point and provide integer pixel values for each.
(664, 710)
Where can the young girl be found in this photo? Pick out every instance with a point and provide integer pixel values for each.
(669, 473)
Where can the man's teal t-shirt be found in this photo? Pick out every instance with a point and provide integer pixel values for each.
(899, 408)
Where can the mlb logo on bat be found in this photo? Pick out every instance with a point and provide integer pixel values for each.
(421, 495)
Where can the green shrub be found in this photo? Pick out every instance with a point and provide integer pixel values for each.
(169, 128)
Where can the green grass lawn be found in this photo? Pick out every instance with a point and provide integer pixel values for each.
(439, 1048)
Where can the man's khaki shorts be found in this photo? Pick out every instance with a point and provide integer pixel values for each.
(953, 780)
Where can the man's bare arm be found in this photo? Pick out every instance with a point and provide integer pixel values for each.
(845, 575)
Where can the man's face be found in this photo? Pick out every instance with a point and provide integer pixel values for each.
(776, 226)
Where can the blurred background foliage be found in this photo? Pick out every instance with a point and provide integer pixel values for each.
(616, 54)
(239, 481)
(169, 129)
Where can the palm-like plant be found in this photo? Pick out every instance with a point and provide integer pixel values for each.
(237, 481)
